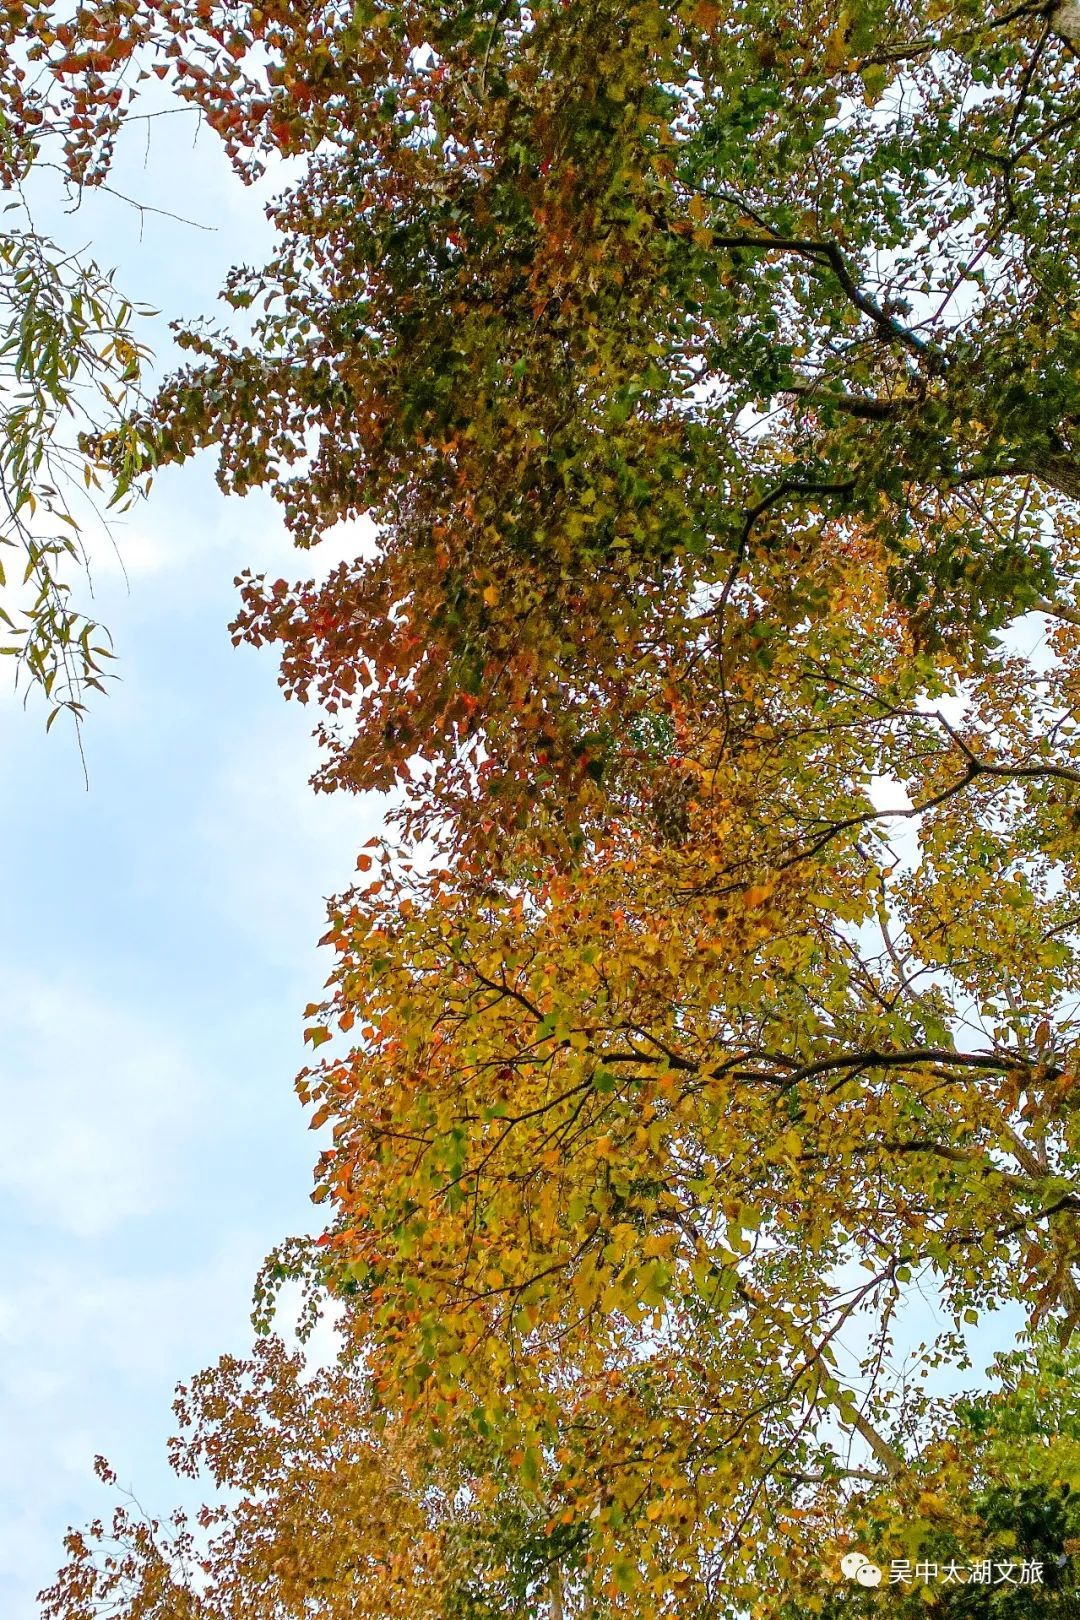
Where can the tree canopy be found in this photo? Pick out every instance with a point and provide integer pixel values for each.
(711, 376)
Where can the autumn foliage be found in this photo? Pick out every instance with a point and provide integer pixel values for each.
(710, 375)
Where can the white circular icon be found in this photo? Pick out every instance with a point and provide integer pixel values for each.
(857, 1567)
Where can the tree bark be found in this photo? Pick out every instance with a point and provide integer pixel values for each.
(555, 1594)
(1061, 472)
(1058, 469)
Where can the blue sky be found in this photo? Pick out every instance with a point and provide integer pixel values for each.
(158, 949)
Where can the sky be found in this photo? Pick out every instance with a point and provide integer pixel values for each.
(158, 946)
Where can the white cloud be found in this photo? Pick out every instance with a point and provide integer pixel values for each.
(277, 848)
(158, 537)
(97, 1105)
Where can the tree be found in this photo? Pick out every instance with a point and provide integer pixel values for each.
(328, 1514)
(70, 365)
(1005, 1470)
(331, 1513)
(711, 375)
(543, 256)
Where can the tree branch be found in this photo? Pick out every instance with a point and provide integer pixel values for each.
(861, 405)
(1056, 610)
(827, 255)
